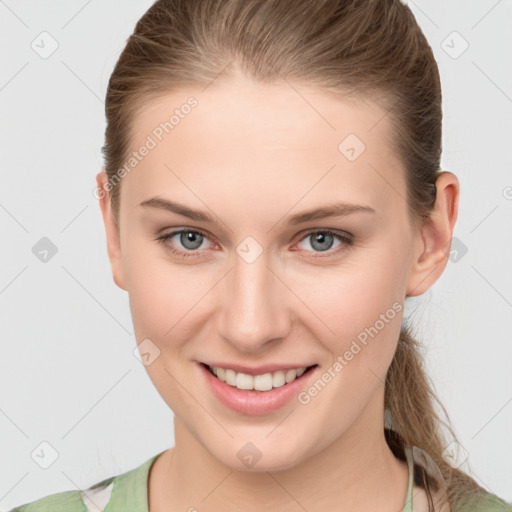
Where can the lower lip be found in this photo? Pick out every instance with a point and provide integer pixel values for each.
(253, 402)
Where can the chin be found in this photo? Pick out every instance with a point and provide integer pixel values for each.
(250, 459)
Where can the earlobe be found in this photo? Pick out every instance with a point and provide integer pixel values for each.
(433, 241)
(111, 230)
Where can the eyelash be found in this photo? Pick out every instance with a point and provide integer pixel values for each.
(344, 238)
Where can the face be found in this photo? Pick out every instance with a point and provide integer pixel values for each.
(253, 281)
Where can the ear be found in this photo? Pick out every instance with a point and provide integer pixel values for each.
(111, 229)
(434, 237)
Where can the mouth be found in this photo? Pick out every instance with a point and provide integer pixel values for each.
(255, 395)
(263, 382)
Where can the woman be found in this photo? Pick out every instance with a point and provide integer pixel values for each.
(272, 194)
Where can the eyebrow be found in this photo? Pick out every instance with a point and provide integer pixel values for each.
(331, 210)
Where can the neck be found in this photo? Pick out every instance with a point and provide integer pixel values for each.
(357, 472)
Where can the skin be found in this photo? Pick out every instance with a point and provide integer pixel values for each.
(252, 155)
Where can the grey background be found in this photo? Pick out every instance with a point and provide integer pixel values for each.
(68, 373)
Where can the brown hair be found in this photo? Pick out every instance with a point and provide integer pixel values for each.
(373, 49)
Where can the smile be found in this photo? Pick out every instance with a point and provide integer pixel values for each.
(250, 390)
(263, 382)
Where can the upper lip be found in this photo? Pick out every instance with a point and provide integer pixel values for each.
(257, 370)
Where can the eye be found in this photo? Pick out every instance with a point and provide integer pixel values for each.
(189, 239)
(192, 240)
(323, 240)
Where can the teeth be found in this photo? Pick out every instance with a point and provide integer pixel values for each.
(263, 382)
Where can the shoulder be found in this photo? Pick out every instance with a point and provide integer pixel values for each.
(492, 503)
(487, 502)
(128, 489)
(73, 501)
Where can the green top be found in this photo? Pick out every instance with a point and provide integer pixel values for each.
(128, 492)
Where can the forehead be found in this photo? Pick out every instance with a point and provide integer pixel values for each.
(251, 138)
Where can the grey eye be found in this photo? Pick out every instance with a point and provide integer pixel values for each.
(321, 241)
(190, 239)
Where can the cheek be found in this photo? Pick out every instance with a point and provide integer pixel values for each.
(162, 299)
(351, 297)
(358, 310)
(363, 305)
(161, 293)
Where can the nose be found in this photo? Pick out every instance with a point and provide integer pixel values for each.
(254, 310)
